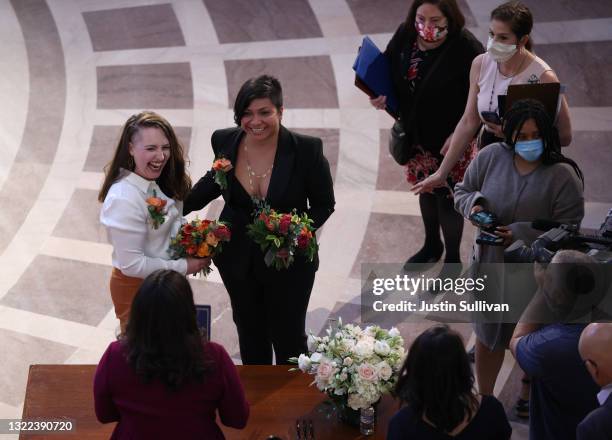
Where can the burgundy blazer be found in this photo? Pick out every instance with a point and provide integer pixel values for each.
(151, 411)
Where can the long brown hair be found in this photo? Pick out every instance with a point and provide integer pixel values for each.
(449, 8)
(173, 181)
(162, 339)
(436, 379)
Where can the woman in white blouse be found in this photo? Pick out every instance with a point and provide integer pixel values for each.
(148, 169)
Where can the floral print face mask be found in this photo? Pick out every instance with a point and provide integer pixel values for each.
(431, 34)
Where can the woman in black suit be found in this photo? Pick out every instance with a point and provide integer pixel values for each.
(289, 171)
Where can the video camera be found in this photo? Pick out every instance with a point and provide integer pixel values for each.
(560, 236)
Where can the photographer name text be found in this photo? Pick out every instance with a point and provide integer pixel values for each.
(442, 306)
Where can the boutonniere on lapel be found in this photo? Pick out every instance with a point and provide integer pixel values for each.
(221, 166)
(155, 206)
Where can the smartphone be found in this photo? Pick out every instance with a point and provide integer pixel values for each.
(489, 239)
(491, 117)
(484, 219)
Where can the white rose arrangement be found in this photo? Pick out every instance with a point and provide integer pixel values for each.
(355, 365)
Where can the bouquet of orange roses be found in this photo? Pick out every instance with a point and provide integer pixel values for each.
(282, 236)
(199, 239)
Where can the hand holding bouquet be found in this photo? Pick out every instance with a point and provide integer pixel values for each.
(352, 365)
(282, 236)
(199, 239)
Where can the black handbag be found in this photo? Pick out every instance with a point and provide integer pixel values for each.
(399, 148)
(400, 142)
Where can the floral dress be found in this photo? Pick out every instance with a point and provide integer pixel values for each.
(424, 163)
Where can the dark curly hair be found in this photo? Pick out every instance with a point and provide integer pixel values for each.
(525, 109)
(436, 379)
(162, 339)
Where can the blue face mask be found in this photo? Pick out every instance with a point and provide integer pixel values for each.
(529, 150)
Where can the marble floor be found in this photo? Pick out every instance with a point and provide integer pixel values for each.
(72, 71)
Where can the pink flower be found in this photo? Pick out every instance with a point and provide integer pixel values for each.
(367, 372)
(325, 370)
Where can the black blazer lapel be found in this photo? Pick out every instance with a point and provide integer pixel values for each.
(283, 166)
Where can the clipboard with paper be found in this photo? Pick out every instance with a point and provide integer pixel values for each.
(373, 75)
(549, 94)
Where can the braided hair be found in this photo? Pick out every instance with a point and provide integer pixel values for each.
(526, 109)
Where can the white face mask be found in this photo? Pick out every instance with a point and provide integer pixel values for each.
(500, 52)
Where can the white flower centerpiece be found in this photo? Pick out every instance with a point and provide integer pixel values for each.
(354, 367)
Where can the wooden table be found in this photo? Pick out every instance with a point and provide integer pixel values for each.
(277, 397)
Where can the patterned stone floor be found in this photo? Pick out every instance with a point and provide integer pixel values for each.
(73, 70)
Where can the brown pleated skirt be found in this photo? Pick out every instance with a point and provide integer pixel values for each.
(123, 290)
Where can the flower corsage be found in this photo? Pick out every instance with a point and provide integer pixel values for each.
(221, 166)
(155, 206)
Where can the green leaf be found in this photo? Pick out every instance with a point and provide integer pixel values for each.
(269, 257)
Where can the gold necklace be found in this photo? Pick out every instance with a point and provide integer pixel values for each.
(252, 173)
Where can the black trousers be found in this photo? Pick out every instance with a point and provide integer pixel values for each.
(269, 310)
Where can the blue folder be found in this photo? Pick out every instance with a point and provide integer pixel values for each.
(373, 74)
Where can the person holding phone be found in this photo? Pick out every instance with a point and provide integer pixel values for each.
(491, 118)
(430, 56)
(522, 179)
(509, 60)
(487, 222)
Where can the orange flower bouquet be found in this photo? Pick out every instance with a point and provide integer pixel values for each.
(221, 166)
(199, 239)
(155, 206)
(282, 236)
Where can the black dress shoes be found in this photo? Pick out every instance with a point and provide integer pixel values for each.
(426, 255)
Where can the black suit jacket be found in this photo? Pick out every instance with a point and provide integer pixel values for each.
(598, 424)
(301, 179)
